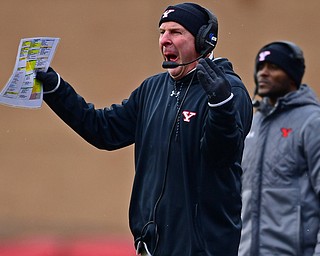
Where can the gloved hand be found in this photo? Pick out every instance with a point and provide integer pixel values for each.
(214, 82)
(50, 80)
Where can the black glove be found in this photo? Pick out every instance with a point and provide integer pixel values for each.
(214, 82)
(50, 80)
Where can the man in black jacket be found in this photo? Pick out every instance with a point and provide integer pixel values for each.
(188, 126)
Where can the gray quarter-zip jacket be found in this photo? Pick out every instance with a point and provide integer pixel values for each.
(281, 179)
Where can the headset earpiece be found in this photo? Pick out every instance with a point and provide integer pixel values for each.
(207, 36)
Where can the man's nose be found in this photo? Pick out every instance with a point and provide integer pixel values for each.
(165, 39)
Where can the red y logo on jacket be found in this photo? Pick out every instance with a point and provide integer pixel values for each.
(285, 132)
(187, 115)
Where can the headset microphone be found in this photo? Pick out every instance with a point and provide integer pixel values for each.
(172, 64)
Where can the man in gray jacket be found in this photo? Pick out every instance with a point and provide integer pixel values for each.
(281, 161)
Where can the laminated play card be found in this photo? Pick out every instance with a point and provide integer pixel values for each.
(22, 89)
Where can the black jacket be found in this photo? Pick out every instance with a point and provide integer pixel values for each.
(186, 192)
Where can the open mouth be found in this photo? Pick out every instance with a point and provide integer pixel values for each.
(171, 57)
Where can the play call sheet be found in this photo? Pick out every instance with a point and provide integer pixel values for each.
(23, 89)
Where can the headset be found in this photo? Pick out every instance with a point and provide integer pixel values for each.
(296, 55)
(207, 35)
(205, 40)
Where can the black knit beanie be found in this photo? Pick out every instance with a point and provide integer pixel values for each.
(282, 55)
(191, 16)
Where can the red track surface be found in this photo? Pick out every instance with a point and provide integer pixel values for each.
(76, 247)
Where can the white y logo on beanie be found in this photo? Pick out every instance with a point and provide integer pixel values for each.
(166, 13)
(263, 55)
